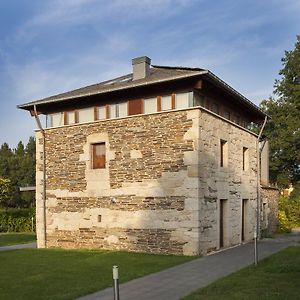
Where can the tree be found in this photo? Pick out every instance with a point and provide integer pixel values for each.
(283, 129)
(5, 192)
(5, 160)
(18, 165)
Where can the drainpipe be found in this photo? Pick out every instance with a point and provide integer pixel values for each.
(258, 233)
(38, 122)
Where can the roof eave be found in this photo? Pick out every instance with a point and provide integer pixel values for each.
(29, 105)
(226, 86)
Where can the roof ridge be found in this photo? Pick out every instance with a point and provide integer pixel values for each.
(178, 67)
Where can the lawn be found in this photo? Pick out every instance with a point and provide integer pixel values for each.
(67, 274)
(13, 238)
(276, 277)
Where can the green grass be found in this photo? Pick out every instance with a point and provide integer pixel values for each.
(276, 277)
(67, 274)
(13, 238)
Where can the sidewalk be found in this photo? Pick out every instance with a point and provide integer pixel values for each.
(19, 246)
(179, 281)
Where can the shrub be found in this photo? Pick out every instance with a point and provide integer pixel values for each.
(283, 222)
(17, 219)
(288, 213)
(5, 191)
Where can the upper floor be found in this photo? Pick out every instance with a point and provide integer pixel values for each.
(148, 89)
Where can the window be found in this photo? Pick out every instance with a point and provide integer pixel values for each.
(86, 115)
(182, 100)
(226, 114)
(245, 159)
(118, 110)
(122, 110)
(98, 156)
(223, 153)
(199, 100)
(112, 111)
(215, 108)
(166, 102)
(236, 119)
(150, 105)
(207, 103)
(101, 112)
(56, 119)
(70, 117)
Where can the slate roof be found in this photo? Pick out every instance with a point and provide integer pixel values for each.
(158, 74)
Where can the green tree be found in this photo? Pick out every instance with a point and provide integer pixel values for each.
(5, 192)
(283, 129)
(18, 165)
(5, 160)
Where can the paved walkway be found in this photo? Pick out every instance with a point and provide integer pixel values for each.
(179, 281)
(19, 246)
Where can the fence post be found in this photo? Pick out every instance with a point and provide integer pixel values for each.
(32, 224)
(116, 282)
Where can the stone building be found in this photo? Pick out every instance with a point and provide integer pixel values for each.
(160, 160)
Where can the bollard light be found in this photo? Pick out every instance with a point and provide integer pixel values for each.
(255, 248)
(116, 282)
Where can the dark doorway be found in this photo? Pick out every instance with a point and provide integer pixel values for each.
(222, 221)
(244, 218)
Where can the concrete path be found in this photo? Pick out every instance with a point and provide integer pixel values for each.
(19, 246)
(179, 281)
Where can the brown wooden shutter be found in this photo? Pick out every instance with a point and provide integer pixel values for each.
(135, 107)
(98, 156)
(173, 101)
(158, 103)
(76, 117)
(96, 117)
(107, 112)
(65, 118)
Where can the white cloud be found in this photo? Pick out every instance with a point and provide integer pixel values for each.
(63, 14)
(41, 78)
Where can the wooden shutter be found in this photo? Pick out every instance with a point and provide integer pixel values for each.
(173, 101)
(98, 156)
(135, 107)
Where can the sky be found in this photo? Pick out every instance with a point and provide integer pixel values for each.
(48, 47)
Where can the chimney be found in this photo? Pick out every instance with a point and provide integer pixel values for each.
(141, 67)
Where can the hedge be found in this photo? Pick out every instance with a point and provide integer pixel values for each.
(17, 219)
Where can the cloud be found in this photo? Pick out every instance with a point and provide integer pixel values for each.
(40, 78)
(68, 13)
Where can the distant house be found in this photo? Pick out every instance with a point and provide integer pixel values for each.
(160, 160)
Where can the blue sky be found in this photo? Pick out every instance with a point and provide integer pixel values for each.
(47, 47)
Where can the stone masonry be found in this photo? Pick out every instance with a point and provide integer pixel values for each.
(269, 219)
(160, 191)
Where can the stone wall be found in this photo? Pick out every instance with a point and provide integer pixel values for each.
(269, 216)
(146, 199)
(230, 182)
(160, 191)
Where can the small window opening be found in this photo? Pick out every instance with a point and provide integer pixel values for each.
(245, 159)
(98, 156)
(223, 153)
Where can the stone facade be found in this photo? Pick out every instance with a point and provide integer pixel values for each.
(269, 216)
(229, 183)
(160, 191)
